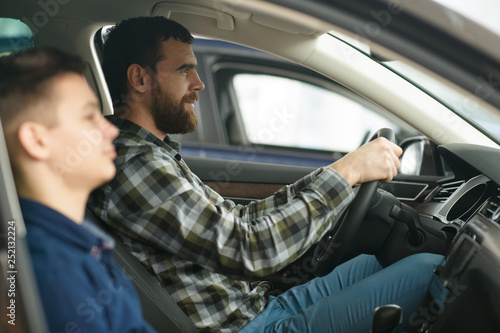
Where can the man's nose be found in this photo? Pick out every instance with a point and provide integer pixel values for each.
(198, 85)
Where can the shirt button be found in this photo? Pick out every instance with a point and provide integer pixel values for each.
(94, 251)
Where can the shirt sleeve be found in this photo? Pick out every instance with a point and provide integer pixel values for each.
(157, 200)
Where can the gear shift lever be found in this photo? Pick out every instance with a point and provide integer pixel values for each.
(386, 318)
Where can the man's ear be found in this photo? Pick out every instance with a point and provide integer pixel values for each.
(138, 78)
(33, 139)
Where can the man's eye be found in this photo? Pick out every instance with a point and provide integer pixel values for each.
(90, 117)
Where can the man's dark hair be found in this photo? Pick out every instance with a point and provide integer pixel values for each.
(136, 41)
(25, 78)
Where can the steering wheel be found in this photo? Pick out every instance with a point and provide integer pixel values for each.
(336, 243)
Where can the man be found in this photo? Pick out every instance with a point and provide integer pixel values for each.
(205, 250)
(61, 148)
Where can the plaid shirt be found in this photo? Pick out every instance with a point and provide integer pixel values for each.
(203, 249)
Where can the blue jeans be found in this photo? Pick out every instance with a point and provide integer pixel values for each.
(344, 300)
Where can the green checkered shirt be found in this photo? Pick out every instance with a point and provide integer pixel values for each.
(202, 248)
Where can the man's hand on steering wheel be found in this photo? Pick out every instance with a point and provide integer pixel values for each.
(375, 161)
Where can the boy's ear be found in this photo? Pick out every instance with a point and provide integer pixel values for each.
(138, 78)
(33, 139)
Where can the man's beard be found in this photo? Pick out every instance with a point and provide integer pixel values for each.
(170, 116)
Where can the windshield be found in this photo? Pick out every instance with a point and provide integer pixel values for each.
(484, 12)
(467, 108)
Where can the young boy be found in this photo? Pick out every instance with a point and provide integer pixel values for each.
(61, 148)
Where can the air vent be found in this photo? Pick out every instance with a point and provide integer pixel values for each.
(446, 190)
(492, 209)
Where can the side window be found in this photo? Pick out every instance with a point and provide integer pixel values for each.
(281, 111)
(14, 36)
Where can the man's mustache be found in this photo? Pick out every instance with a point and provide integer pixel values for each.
(191, 97)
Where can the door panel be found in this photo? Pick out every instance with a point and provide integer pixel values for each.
(246, 180)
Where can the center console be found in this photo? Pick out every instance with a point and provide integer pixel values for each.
(464, 295)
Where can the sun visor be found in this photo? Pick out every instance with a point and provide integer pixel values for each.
(175, 11)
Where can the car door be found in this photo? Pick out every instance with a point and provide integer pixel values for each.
(249, 143)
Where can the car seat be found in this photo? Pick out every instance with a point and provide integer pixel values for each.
(21, 310)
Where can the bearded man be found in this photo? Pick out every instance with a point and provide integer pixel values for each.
(210, 253)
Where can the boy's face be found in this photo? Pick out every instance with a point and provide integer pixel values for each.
(82, 150)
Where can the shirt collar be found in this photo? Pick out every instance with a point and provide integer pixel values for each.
(86, 235)
(174, 144)
(107, 241)
(127, 125)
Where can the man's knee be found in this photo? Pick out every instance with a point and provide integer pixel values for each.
(425, 259)
(421, 264)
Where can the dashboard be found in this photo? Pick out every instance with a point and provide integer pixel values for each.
(464, 295)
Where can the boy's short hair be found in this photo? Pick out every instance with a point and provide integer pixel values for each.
(136, 41)
(25, 82)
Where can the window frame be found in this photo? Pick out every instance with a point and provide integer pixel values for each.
(225, 71)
